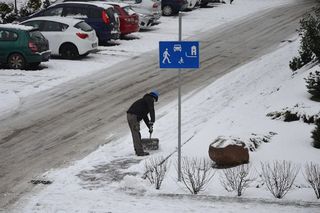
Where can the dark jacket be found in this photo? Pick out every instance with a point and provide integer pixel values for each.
(142, 107)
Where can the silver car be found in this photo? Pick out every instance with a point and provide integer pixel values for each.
(149, 11)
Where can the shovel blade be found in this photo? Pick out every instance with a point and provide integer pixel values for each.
(150, 143)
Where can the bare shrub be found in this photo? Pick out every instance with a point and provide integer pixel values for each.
(312, 175)
(279, 177)
(155, 170)
(237, 179)
(196, 174)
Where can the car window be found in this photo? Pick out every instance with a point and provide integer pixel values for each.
(76, 12)
(35, 24)
(6, 35)
(129, 10)
(138, 1)
(35, 35)
(52, 26)
(57, 11)
(94, 12)
(83, 26)
(112, 14)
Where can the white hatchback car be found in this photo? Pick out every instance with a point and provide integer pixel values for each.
(68, 37)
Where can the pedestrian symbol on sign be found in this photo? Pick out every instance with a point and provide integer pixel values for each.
(166, 56)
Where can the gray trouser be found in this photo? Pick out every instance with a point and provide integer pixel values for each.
(134, 125)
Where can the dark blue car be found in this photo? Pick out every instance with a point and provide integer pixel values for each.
(172, 7)
(99, 15)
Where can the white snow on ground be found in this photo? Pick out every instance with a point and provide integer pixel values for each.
(109, 179)
(236, 105)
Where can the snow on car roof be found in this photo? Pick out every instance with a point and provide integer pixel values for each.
(120, 4)
(95, 3)
(65, 20)
(16, 26)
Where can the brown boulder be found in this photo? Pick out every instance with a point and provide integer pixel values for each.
(231, 155)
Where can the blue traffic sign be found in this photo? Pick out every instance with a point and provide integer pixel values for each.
(179, 54)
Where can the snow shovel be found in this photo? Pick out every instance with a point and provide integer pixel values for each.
(150, 143)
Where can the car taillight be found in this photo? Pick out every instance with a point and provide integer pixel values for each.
(105, 17)
(33, 47)
(155, 5)
(82, 35)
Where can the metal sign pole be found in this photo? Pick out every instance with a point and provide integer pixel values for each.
(179, 107)
(15, 7)
(179, 55)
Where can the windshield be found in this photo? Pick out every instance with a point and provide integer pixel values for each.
(129, 10)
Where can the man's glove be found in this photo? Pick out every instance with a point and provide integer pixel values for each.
(150, 127)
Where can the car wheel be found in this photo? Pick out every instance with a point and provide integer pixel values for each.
(69, 51)
(167, 10)
(16, 61)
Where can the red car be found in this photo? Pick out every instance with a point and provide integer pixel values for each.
(129, 19)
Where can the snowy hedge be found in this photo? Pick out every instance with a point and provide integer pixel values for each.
(310, 40)
(313, 84)
(7, 14)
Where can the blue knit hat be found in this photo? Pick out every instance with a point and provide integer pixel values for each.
(155, 94)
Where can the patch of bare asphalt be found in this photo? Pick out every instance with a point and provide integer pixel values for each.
(107, 173)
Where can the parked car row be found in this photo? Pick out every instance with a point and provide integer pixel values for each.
(99, 15)
(75, 28)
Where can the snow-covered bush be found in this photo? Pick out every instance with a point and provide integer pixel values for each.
(305, 56)
(155, 170)
(310, 33)
(196, 174)
(30, 7)
(316, 135)
(295, 113)
(46, 3)
(312, 176)
(237, 179)
(313, 84)
(310, 40)
(296, 63)
(279, 177)
(289, 116)
(7, 14)
(5, 8)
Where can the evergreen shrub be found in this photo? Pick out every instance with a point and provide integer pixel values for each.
(313, 84)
